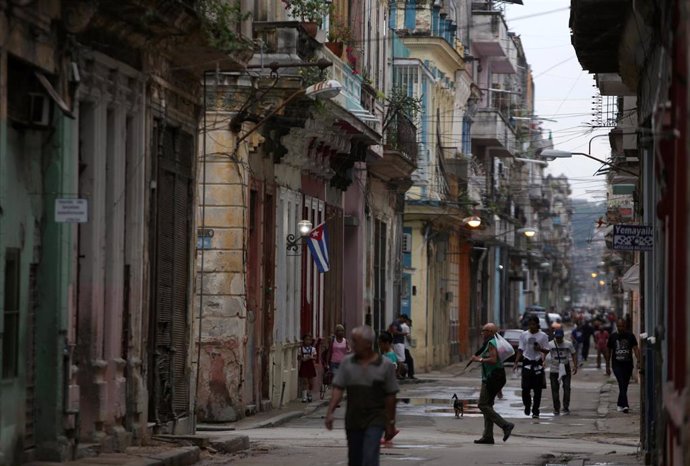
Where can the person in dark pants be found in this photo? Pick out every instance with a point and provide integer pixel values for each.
(493, 380)
(407, 329)
(587, 332)
(562, 351)
(534, 344)
(621, 347)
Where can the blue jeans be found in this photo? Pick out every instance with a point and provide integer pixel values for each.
(364, 446)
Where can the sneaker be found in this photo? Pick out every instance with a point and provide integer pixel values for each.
(557, 413)
(527, 410)
(535, 416)
(487, 441)
(566, 412)
(619, 409)
(626, 410)
(507, 430)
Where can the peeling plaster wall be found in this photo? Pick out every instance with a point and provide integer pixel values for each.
(221, 276)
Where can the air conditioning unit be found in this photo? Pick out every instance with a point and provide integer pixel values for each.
(407, 243)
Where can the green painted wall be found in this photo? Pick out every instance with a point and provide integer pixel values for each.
(35, 166)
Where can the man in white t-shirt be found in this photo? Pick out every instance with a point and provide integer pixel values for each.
(562, 352)
(533, 346)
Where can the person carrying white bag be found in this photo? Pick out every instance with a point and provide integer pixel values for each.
(561, 352)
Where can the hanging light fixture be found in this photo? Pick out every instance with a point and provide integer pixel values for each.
(472, 221)
(529, 232)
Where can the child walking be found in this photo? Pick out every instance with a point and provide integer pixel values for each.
(307, 368)
(386, 346)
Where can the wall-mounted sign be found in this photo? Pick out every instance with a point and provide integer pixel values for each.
(204, 238)
(633, 238)
(71, 211)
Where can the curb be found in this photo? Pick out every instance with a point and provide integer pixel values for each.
(233, 444)
(283, 418)
(604, 391)
(182, 456)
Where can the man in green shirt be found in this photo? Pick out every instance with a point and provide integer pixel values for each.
(493, 380)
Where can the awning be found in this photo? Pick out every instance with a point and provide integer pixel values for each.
(631, 279)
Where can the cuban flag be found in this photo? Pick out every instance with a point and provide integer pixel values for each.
(318, 246)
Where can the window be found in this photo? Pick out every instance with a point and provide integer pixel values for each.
(10, 339)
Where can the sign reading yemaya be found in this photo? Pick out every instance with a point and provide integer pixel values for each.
(633, 238)
(71, 211)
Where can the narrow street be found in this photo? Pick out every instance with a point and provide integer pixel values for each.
(430, 433)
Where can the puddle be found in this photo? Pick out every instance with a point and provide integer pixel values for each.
(509, 407)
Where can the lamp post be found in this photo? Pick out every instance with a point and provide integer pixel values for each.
(552, 154)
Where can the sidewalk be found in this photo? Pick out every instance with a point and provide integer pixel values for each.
(273, 418)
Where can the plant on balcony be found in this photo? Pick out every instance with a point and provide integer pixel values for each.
(398, 102)
(339, 31)
(311, 74)
(308, 11)
(219, 22)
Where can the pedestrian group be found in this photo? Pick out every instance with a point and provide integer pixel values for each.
(369, 376)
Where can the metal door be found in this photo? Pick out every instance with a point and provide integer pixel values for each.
(168, 372)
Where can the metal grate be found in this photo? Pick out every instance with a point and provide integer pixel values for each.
(30, 412)
(604, 111)
(171, 379)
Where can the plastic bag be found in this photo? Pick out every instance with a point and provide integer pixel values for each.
(505, 349)
(561, 371)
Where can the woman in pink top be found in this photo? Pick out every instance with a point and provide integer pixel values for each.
(338, 347)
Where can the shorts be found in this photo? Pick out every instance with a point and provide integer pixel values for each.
(399, 349)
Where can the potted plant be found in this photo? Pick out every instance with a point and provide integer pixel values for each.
(339, 34)
(309, 12)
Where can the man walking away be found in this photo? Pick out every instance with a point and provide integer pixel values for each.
(561, 353)
(533, 345)
(587, 332)
(409, 361)
(493, 380)
(621, 347)
(369, 379)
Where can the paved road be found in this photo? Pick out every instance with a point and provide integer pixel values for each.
(430, 433)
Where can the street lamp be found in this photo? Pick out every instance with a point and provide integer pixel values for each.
(552, 154)
(472, 221)
(304, 228)
(528, 232)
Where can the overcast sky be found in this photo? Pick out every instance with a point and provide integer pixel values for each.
(563, 91)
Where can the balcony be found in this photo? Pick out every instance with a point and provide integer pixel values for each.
(400, 150)
(489, 33)
(352, 97)
(597, 26)
(179, 27)
(491, 129)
